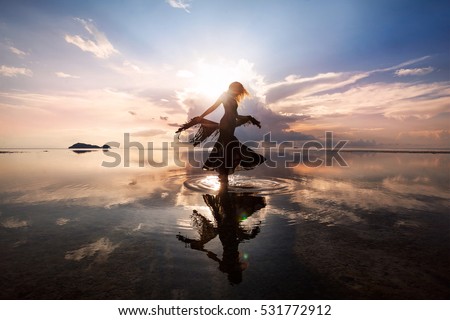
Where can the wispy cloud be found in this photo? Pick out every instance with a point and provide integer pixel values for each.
(129, 69)
(414, 72)
(180, 4)
(16, 51)
(294, 85)
(403, 64)
(98, 45)
(13, 71)
(134, 67)
(398, 100)
(65, 75)
(298, 86)
(354, 104)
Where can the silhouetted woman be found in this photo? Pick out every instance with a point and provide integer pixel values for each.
(228, 152)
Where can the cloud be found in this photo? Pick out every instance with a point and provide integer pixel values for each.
(403, 64)
(276, 123)
(65, 75)
(130, 65)
(180, 4)
(362, 143)
(400, 113)
(17, 51)
(414, 72)
(58, 117)
(99, 45)
(343, 93)
(398, 100)
(13, 71)
(356, 107)
(131, 69)
(294, 85)
(426, 135)
(429, 137)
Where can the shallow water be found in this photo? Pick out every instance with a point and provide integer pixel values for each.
(72, 229)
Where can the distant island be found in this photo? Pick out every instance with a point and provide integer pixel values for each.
(80, 145)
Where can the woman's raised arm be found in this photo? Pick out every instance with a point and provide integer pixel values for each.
(212, 108)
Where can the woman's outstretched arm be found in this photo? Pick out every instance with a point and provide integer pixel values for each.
(212, 108)
(246, 119)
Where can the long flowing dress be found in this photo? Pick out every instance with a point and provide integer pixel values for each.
(228, 153)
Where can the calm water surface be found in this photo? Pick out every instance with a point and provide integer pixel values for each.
(72, 229)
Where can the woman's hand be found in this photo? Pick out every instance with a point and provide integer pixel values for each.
(255, 122)
(197, 119)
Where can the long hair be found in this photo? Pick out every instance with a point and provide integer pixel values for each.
(238, 89)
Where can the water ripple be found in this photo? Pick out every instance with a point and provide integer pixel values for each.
(242, 184)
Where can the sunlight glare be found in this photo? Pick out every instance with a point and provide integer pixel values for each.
(212, 182)
(212, 80)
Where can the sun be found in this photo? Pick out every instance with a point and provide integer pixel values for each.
(212, 79)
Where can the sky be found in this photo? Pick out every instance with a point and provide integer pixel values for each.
(376, 73)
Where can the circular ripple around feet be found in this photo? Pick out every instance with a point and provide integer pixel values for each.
(240, 183)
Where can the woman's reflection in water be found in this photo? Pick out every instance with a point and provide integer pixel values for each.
(228, 210)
